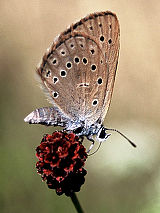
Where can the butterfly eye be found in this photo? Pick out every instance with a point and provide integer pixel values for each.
(102, 133)
(100, 25)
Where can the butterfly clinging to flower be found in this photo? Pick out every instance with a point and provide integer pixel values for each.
(77, 73)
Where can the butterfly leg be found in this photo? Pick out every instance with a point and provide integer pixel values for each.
(90, 138)
(81, 138)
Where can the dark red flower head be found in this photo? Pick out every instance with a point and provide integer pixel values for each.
(61, 159)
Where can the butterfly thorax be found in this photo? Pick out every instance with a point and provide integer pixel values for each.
(95, 129)
(83, 129)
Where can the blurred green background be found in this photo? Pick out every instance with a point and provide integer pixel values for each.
(120, 179)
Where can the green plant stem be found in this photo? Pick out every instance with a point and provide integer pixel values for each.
(76, 203)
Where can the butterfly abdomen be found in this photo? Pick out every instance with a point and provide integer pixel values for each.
(46, 116)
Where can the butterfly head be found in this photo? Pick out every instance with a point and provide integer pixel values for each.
(102, 135)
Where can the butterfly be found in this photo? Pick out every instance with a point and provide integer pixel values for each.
(77, 73)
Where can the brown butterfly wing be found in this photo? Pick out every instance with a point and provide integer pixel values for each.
(70, 70)
(104, 28)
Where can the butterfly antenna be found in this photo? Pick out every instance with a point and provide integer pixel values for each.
(115, 130)
(96, 149)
